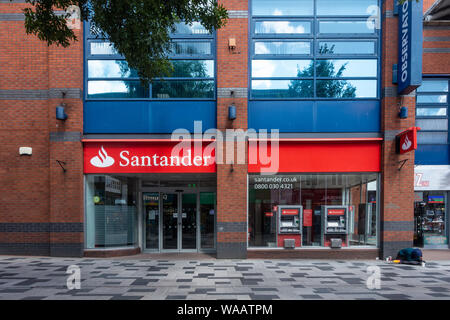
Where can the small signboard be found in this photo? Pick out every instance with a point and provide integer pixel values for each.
(435, 199)
(307, 218)
(289, 212)
(406, 141)
(410, 42)
(336, 212)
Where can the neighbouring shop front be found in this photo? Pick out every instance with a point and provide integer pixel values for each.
(324, 194)
(432, 187)
(149, 195)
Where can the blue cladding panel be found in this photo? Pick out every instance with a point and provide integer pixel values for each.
(410, 46)
(288, 116)
(433, 154)
(146, 116)
(315, 116)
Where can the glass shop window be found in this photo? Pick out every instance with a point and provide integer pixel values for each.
(323, 49)
(111, 212)
(430, 219)
(192, 56)
(357, 193)
(432, 111)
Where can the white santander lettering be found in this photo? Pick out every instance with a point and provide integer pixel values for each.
(188, 159)
(123, 157)
(197, 161)
(135, 161)
(154, 160)
(206, 160)
(163, 162)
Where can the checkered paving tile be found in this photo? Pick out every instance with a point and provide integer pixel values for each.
(118, 279)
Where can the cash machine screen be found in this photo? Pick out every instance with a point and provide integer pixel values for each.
(336, 220)
(289, 220)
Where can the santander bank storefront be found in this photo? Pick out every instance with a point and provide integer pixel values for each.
(149, 195)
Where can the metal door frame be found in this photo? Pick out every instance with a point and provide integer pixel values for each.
(179, 192)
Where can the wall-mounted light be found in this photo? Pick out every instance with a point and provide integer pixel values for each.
(403, 114)
(60, 112)
(232, 112)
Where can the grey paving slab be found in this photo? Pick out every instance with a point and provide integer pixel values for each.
(31, 278)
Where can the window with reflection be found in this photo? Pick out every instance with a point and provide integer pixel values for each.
(344, 8)
(347, 47)
(346, 27)
(432, 111)
(283, 7)
(356, 191)
(314, 49)
(283, 27)
(192, 77)
(282, 47)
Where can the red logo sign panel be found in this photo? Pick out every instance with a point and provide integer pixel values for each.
(407, 140)
(148, 157)
(318, 156)
(289, 212)
(336, 212)
(307, 218)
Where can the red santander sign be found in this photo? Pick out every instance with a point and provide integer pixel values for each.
(289, 212)
(406, 141)
(149, 157)
(336, 212)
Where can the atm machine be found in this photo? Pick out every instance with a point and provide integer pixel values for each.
(335, 226)
(290, 226)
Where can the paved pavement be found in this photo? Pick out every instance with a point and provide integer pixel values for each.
(203, 279)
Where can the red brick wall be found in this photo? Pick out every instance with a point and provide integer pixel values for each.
(427, 4)
(232, 71)
(397, 190)
(436, 37)
(34, 188)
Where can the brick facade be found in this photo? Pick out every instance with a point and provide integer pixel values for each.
(42, 206)
(232, 68)
(397, 191)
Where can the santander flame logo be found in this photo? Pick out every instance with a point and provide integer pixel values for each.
(103, 160)
(407, 144)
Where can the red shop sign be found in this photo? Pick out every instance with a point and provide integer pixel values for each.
(336, 212)
(316, 156)
(289, 212)
(406, 141)
(149, 156)
(307, 218)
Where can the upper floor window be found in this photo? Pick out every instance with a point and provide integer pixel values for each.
(314, 49)
(432, 103)
(192, 57)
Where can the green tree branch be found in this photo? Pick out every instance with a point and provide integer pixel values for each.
(138, 29)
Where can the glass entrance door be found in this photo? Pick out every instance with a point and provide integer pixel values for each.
(176, 220)
(179, 221)
(170, 221)
(189, 221)
(151, 216)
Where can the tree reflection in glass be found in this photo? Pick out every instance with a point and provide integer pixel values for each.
(325, 88)
(167, 88)
(187, 88)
